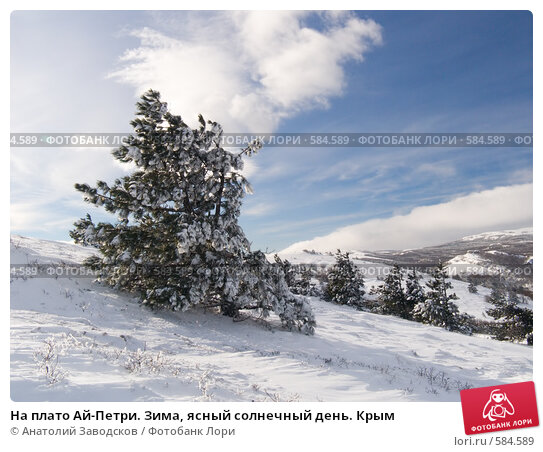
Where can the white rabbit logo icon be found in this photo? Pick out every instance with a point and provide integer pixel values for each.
(498, 406)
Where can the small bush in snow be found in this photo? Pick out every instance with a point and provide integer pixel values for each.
(47, 359)
(141, 360)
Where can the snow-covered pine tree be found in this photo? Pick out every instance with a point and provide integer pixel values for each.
(437, 308)
(177, 242)
(472, 288)
(514, 322)
(288, 269)
(391, 295)
(297, 277)
(414, 292)
(345, 284)
(302, 281)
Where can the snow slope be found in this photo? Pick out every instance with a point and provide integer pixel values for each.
(74, 340)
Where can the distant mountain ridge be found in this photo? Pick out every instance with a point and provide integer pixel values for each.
(510, 247)
(507, 247)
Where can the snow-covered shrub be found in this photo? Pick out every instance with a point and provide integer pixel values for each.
(141, 360)
(47, 359)
(177, 242)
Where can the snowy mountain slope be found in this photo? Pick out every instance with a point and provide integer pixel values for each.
(500, 235)
(510, 247)
(72, 339)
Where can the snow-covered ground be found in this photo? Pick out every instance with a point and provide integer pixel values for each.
(468, 259)
(74, 340)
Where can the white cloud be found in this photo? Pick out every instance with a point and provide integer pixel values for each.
(259, 209)
(499, 208)
(249, 70)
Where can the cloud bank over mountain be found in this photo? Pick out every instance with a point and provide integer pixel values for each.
(500, 208)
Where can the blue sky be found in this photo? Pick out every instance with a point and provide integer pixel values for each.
(294, 72)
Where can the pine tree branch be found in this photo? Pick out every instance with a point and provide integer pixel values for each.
(126, 202)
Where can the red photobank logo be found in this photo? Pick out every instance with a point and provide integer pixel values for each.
(496, 408)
